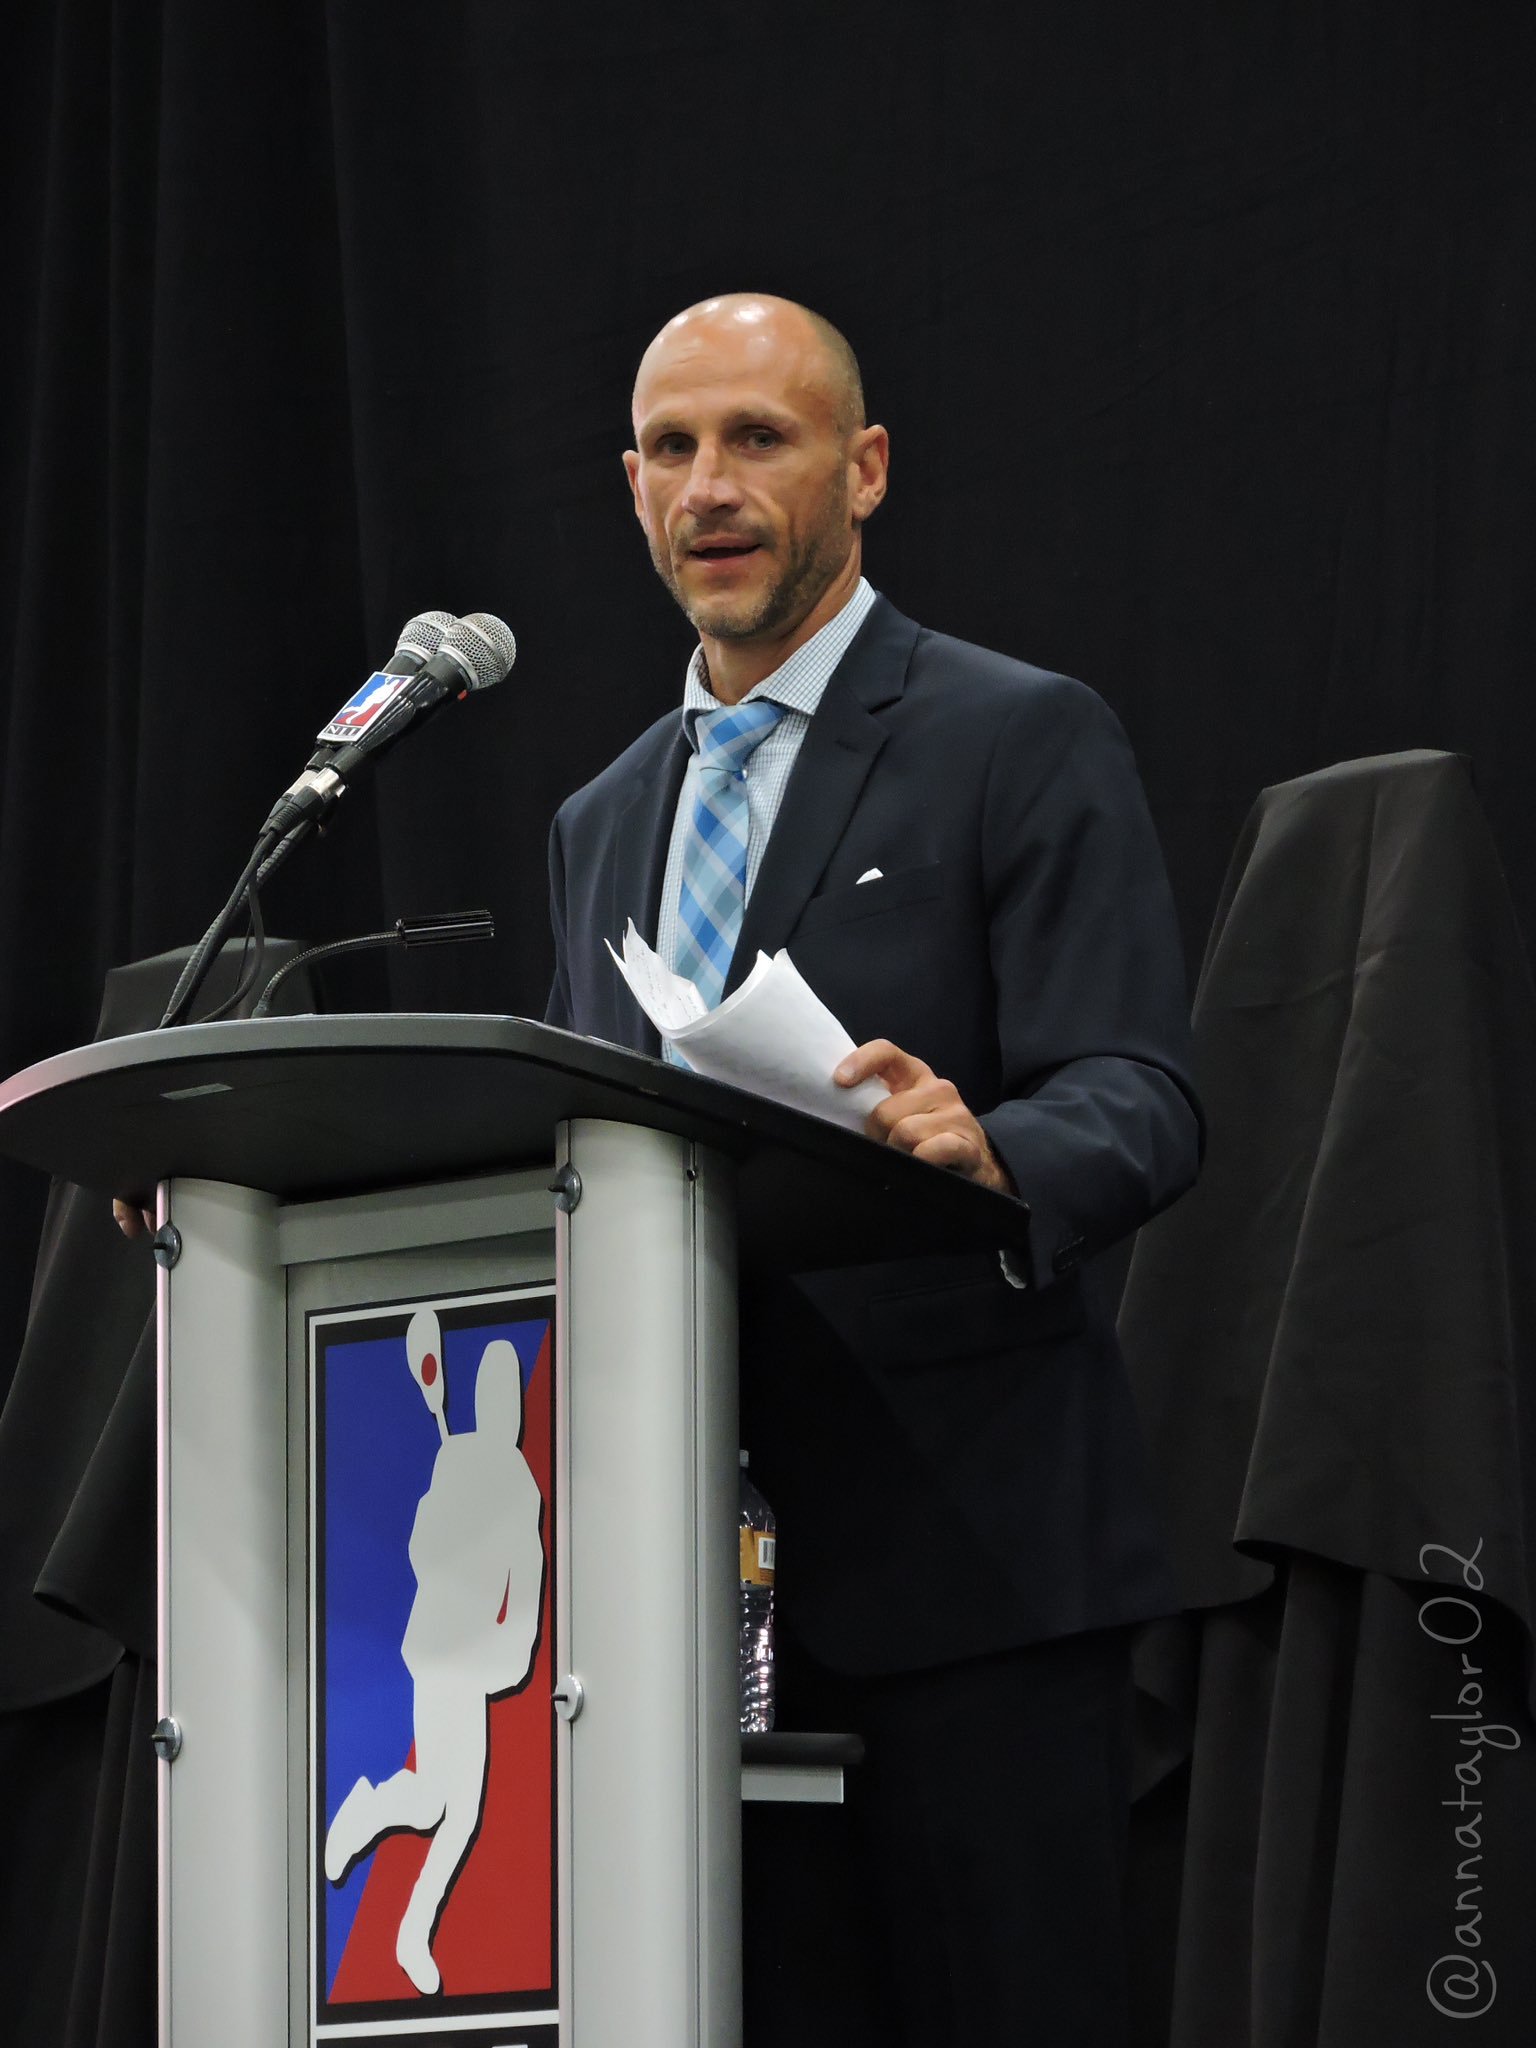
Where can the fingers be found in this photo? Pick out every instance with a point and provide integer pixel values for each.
(950, 1149)
(130, 1221)
(931, 1098)
(937, 1136)
(898, 1069)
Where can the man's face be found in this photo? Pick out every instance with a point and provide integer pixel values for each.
(742, 476)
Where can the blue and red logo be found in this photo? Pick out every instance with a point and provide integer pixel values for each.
(434, 1760)
(362, 710)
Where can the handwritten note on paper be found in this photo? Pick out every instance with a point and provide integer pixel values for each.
(773, 1035)
(671, 1001)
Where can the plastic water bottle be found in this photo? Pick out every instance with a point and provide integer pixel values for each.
(759, 1539)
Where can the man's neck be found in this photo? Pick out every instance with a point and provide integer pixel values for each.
(733, 667)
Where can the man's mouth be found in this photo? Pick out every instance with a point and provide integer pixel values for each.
(722, 550)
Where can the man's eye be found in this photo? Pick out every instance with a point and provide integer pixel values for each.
(762, 437)
(672, 444)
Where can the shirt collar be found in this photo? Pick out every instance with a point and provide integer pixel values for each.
(799, 683)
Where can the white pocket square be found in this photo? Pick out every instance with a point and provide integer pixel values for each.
(870, 875)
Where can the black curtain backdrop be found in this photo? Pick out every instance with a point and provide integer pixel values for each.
(1204, 333)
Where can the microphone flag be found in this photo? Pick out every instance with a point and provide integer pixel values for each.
(362, 709)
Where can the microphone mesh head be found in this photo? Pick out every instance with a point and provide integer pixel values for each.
(484, 646)
(421, 637)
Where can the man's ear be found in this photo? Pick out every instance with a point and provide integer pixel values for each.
(632, 471)
(869, 458)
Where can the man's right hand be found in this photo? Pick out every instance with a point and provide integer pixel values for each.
(131, 1221)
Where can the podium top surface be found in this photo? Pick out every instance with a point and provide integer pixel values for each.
(305, 1107)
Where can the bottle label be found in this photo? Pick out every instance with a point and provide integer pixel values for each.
(757, 1554)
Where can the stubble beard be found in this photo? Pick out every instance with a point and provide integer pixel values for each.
(813, 562)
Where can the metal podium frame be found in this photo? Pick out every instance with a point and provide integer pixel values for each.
(650, 1766)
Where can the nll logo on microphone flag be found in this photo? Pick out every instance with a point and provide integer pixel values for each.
(360, 711)
(432, 1734)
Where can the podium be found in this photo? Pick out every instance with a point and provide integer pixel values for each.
(447, 1537)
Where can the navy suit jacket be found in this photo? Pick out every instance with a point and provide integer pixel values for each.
(955, 1463)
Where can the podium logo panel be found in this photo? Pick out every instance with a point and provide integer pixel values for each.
(432, 1838)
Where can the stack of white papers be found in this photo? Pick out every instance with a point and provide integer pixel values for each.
(773, 1035)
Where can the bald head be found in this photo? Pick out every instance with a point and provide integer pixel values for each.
(774, 329)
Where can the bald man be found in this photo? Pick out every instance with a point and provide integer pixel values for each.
(955, 849)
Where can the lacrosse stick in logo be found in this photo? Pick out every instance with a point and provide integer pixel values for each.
(424, 1349)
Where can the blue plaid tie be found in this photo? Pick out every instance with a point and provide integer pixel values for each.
(715, 853)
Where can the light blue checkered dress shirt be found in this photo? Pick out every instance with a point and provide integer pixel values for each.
(798, 686)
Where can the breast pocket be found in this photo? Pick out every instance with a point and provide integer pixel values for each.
(908, 886)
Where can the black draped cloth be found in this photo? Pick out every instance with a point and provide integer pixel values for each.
(77, 1603)
(1333, 1346)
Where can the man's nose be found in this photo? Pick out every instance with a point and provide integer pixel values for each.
(711, 486)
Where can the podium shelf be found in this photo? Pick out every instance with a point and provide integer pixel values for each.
(794, 1768)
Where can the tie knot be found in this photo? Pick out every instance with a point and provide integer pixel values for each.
(727, 738)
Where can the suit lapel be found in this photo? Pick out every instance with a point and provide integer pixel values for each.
(836, 755)
(640, 840)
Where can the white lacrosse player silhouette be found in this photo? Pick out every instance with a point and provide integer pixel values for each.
(478, 1557)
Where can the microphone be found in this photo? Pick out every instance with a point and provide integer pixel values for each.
(419, 640)
(438, 657)
(472, 654)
